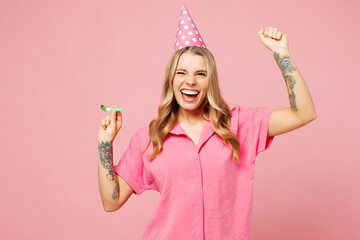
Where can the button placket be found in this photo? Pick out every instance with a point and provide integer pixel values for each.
(206, 133)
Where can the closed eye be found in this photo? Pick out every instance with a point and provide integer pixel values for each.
(203, 74)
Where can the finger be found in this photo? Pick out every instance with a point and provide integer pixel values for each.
(271, 32)
(274, 32)
(107, 120)
(266, 31)
(118, 120)
(261, 34)
(118, 116)
(284, 36)
(118, 113)
(103, 124)
(278, 35)
(261, 31)
(113, 116)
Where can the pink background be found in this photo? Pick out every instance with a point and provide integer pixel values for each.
(60, 60)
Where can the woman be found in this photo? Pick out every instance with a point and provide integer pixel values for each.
(198, 153)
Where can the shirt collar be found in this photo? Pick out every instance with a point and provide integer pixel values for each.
(206, 133)
(178, 130)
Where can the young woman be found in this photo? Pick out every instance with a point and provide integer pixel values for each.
(198, 154)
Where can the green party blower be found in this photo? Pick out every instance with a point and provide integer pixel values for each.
(107, 109)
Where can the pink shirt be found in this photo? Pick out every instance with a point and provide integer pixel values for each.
(204, 194)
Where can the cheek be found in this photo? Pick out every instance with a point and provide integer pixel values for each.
(205, 85)
(175, 89)
(176, 84)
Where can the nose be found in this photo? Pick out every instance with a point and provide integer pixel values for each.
(190, 80)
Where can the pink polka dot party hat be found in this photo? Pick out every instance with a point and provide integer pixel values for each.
(187, 33)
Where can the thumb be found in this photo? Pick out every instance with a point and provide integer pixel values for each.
(284, 37)
(261, 35)
(113, 116)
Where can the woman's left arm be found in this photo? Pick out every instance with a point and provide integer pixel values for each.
(301, 110)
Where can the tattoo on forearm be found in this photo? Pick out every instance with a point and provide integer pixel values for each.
(287, 67)
(111, 175)
(284, 63)
(106, 154)
(106, 160)
(116, 190)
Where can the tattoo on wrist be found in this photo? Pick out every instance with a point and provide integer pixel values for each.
(106, 154)
(285, 64)
(287, 67)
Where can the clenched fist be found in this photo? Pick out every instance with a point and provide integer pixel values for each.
(274, 40)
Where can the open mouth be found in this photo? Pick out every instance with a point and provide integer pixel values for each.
(189, 96)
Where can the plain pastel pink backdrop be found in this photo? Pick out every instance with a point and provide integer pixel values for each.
(60, 60)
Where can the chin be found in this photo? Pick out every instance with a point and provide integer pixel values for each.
(190, 107)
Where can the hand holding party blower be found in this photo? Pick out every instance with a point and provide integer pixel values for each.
(110, 125)
(106, 109)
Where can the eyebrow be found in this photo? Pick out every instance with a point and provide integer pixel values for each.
(185, 70)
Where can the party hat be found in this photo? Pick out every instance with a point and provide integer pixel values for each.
(187, 33)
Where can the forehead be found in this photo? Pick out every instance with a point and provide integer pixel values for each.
(191, 61)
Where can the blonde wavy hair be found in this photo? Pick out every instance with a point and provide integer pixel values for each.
(213, 105)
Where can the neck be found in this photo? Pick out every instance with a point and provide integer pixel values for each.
(190, 116)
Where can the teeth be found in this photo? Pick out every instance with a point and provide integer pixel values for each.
(189, 92)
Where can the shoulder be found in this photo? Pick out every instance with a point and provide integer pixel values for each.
(246, 112)
(239, 111)
(141, 136)
(142, 131)
(246, 116)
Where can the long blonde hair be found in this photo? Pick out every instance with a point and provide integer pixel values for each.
(213, 105)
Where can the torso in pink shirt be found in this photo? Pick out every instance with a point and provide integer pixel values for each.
(204, 193)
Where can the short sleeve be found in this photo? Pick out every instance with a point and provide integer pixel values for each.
(261, 117)
(254, 122)
(131, 166)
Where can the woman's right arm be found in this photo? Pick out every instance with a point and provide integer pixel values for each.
(114, 190)
(109, 182)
